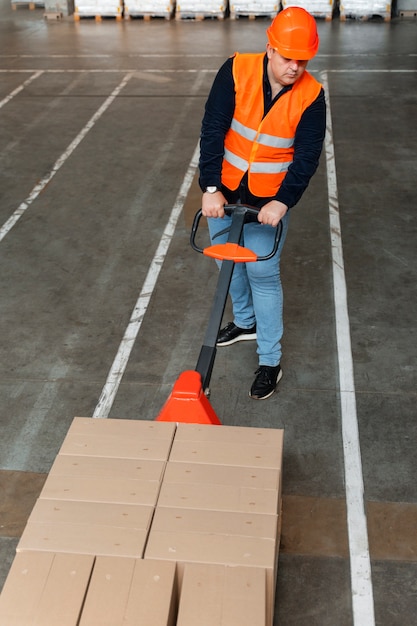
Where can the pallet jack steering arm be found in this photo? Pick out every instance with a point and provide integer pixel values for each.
(229, 254)
(188, 401)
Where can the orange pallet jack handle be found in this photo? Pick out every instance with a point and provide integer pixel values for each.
(188, 401)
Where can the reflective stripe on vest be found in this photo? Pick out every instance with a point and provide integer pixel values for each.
(263, 138)
(259, 167)
(262, 145)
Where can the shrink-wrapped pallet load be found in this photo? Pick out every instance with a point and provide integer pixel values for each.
(318, 8)
(254, 8)
(365, 9)
(200, 9)
(98, 9)
(149, 8)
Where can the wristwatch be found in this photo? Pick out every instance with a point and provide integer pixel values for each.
(211, 189)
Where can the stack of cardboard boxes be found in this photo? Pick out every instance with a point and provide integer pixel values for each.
(152, 523)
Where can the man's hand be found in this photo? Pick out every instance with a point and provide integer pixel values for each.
(272, 213)
(212, 204)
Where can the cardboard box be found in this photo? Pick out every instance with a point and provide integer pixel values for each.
(83, 539)
(228, 445)
(226, 488)
(87, 528)
(102, 467)
(205, 547)
(219, 497)
(225, 453)
(116, 446)
(234, 476)
(126, 439)
(138, 429)
(129, 592)
(218, 549)
(195, 521)
(213, 595)
(270, 437)
(123, 491)
(45, 588)
(91, 513)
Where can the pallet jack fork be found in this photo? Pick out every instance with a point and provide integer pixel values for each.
(188, 401)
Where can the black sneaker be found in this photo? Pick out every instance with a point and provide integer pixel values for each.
(266, 380)
(232, 333)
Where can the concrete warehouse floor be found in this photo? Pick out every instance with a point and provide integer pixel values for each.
(99, 122)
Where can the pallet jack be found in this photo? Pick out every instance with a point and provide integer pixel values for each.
(188, 401)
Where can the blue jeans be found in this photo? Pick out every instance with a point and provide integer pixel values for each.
(256, 289)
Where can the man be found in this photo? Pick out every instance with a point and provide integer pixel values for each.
(261, 139)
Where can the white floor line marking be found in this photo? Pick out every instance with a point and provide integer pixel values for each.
(117, 370)
(360, 565)
(19, 453)
(8, 225)
(20, 88)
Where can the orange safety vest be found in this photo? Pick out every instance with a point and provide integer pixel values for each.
(262, 146)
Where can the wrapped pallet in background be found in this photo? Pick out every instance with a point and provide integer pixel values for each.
(58, 8)
(149, 8)
(365, 9)
(98, 8)
(254, 8)
(32, 4)
(200, 9)
(318, 8)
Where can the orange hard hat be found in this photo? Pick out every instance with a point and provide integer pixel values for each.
(293, 33)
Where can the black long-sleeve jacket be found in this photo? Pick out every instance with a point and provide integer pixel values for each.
(217, 118)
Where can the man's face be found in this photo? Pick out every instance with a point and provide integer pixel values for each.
(281, 70)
